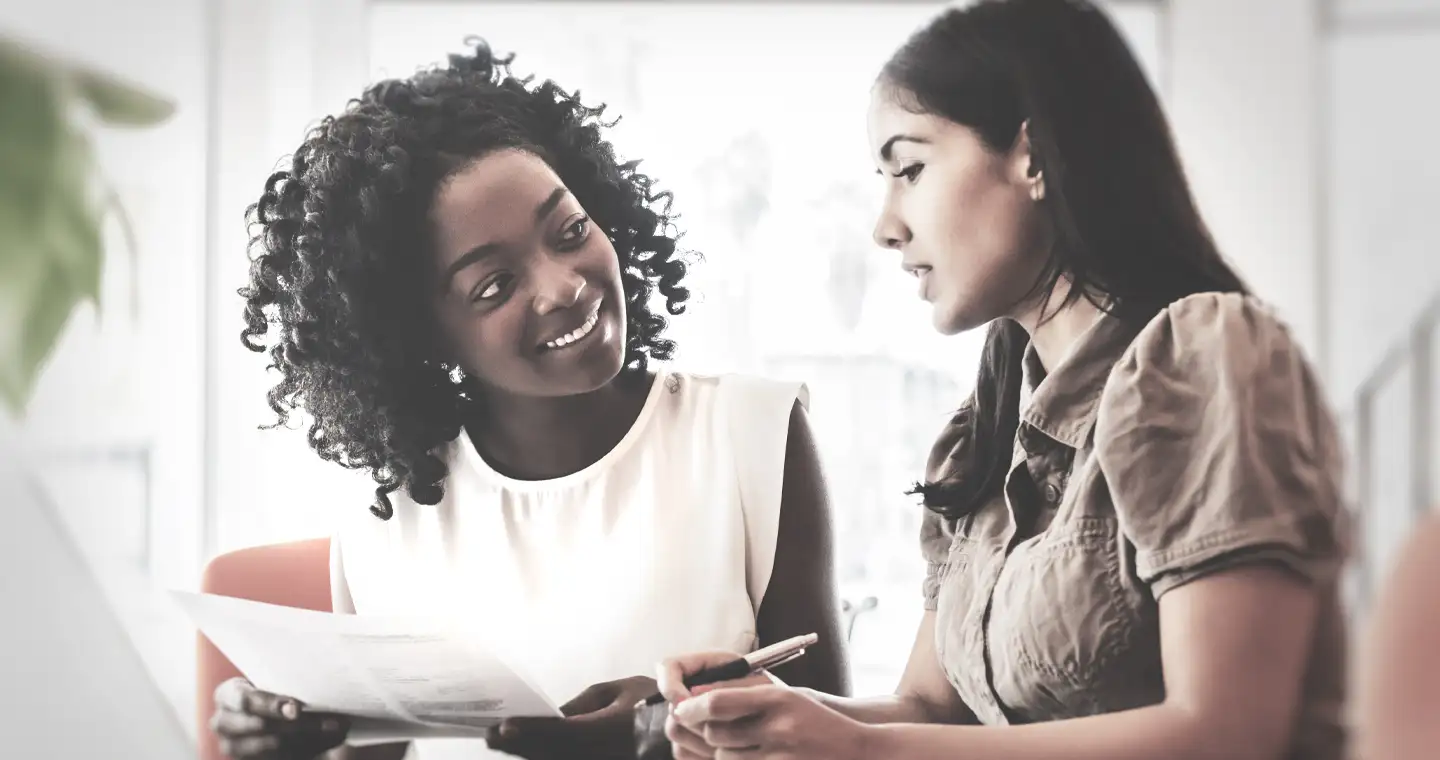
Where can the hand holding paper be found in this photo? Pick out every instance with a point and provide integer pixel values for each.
(394, 679)
(252, 724)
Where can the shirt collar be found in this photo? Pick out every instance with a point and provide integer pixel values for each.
(1063, 403)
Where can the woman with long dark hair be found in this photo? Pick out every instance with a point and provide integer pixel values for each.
(1134, 525)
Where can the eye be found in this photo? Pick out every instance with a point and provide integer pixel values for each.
(576, 231)
(492, 288)
(910, 173)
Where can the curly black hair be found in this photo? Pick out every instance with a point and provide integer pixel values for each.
(338, 258)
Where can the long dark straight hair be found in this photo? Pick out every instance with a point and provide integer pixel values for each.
(1127, 234)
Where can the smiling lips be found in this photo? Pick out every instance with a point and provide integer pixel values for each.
(575, 335)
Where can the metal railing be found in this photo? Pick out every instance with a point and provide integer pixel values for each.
(1412, 356)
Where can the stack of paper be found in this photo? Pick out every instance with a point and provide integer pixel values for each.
(397, 678)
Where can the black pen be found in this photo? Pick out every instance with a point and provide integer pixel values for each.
(773, 656)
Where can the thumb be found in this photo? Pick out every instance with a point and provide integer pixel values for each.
(594, 698)
(515, 734)
(671, 673)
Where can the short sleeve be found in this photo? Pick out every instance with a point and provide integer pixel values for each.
(1218, 447)
(758, 415)
(936, 532)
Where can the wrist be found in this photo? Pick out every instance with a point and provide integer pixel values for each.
(818, 696)
(874, 740)
(828, 700)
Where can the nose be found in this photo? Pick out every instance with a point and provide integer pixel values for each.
(557, 286)
(889, 231)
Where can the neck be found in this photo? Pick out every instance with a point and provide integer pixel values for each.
(1055, 330)
(539, 438)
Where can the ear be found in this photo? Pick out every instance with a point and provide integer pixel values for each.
(1024, 166)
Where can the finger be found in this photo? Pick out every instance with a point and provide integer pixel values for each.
(525, 736)
(511, 729)
(740, 734)
(670, 677)
(685, 754)
(232, 723)
(244, 747)
(748, 753)
(686, 741)
(325, 733)
(311, 726)
(230, 695)
(679, 753)
(596, 697)
(268, 705)
(730, 704)
(757, 679)
(670, 674)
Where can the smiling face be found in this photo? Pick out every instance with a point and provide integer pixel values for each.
(529, 295)
(963, 216)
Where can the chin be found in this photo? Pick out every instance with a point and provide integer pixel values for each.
(952, 321)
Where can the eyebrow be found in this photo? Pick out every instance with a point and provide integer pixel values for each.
(888, 148)
(485, 249)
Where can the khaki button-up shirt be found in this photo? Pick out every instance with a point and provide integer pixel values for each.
(1152, 455)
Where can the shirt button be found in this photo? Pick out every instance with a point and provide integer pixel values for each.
(1052, 494)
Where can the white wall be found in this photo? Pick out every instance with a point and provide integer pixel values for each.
(1243, 90)
(1384, 248)
(283, 66)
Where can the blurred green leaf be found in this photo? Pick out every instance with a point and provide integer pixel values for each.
(36, 300)
(31, 125)
(119, 103)
(116, 210)
(70, 221)
(51, 242)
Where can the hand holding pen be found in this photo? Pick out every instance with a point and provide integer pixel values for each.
(678, 685)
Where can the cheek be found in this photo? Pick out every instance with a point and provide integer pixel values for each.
(986, 231)
(602, 257)
(484, 343)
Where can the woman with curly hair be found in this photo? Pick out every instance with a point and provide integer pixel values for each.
(456, 279)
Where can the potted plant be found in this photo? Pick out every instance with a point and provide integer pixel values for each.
(53, 204)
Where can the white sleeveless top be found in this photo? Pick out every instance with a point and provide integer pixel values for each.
(663, 546)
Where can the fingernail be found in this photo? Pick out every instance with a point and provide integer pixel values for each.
(289, 710)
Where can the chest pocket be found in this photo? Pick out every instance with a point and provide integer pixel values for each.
(1068, 636)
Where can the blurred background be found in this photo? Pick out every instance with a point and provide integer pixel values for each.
(1303, 125)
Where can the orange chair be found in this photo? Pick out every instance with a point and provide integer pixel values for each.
(295, 574)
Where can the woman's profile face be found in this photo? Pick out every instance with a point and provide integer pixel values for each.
(961, 215)
(528, 295)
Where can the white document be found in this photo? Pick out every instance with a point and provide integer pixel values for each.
(398, 678)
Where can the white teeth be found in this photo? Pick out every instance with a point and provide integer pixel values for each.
(577, 334)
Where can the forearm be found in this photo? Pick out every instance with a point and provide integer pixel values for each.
(372, 752)
(1162, 732)
(891, 708)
